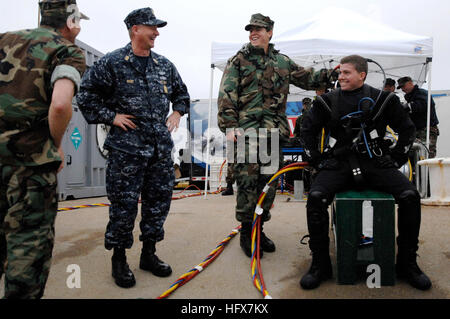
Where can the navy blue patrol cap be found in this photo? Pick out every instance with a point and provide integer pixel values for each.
(145, 16)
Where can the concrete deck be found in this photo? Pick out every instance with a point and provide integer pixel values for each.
(193, 229)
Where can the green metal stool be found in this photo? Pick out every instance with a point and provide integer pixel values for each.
(352, 248)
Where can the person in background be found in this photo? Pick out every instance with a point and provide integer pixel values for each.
(417, 107)
(40, 71)
(389, 86)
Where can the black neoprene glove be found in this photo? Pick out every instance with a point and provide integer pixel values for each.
(313, 158)
(399, 157)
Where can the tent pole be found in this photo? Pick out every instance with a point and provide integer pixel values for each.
(429, 59)
(39, 16)
(208, 134)
(429, 104)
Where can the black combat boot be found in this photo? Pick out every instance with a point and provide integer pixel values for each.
(246, 240)
(229, 190)
(407, 269)
(150, 262)
(121, 272)
(320, 270)
(266, 243)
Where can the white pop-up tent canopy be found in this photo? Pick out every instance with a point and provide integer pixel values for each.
(333, 33)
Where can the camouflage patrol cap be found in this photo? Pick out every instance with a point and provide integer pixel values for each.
(61, 8)
(260, 20)
(145, 16)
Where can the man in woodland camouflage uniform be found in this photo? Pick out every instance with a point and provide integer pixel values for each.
(40, 70)
(230, 180)
(253, 94)
(131, 89)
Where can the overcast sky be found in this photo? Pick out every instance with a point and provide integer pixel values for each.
(193, 25)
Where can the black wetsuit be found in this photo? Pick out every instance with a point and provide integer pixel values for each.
(378, 166)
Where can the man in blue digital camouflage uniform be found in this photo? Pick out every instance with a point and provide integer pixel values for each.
(131, 89)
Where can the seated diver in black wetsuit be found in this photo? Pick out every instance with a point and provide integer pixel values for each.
(355, 117)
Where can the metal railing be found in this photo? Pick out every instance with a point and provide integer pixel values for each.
(420, 172)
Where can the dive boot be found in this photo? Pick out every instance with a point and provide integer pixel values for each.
(246, 240)
(407, 269)
(229, 190)
(150, 262)
(320, 271)
(121, 272)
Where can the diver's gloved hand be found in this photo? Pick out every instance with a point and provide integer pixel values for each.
(313, 157)
(399, 157)
(387, 143)
(386, 161)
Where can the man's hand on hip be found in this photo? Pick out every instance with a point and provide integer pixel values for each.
(173, 121)
(124, 121)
